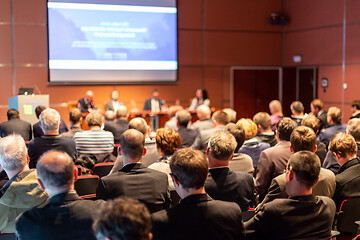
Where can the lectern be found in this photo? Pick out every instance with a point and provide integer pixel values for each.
(26, 105)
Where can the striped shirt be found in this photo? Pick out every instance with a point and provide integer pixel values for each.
(94, 142)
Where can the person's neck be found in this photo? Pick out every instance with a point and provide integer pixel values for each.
(300, 191)
(76, 124)
(342, 161)
(13, 173)
(267, 130)
(128, 160)
(52, 133)
(95, 128)
(52, 192)
(192, 191)
(215, 163)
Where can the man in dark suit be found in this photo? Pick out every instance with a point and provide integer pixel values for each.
(317, 109)
(120, 126)
(223, 184)
(197, 216)
(154, 104)
(187, 135)
(302, 215)
(66, 216)
(114, 104)
(134, 179)
(355, 109)
(15, 125)
(344, 148)
(86, 104)
(38, 132)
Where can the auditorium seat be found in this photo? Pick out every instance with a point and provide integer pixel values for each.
(86, 185)
(348, 214)
(102, 169)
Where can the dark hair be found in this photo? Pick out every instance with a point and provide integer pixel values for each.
(123, 219)
(306, 166)
(138, 124)
(356, 104)
(205, 94)
(154, 90)
(75, 115)
(312, 122)
(303, 138)
(343, 144)
(317, 103)
(168, 140)
(183, 117)
(12, 113)
(190, 167)
(297, 106)
(221, 117)
(132, 143)
(238, 132)
(285, 127)
(38, 110)
(262, 119)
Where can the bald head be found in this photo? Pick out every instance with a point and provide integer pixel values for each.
(139, 124)
(114, 95)
(203, 112)
(132, 145)
(89, 96)
(109, 115)
(275, 107)
(13, 153)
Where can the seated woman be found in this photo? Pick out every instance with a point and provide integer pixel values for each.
(200, 99)
(167, 142)
(251, 146)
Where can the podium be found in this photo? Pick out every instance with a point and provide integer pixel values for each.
(26, 105)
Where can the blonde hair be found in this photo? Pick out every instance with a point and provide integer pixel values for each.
(249, 126)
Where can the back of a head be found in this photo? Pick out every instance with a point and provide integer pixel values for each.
(75, 115)
(222, 145)
(275, 107)
(168, 140)
(231, 113)
(249, 127)
(56, 170)
(122, 112)
(303, 138)
(356, 104)
(123, 219)
(335, 114)
(13, 153)
(353, 128)
(220, 117)
(238, 132)
(312, 122)
(262, 119)
(203, 112)
(183, 117)
(306, 166)
(132, 144)
(297, 107)
(343, 144)
(174, 109)
(38, 110)
(94, 119)
(50, 120)
(317, 103)
(12, 113)
(190, 167)
(285, 127)
(139, 124)
(109, 115)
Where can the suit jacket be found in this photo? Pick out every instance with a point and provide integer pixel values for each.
(321, 151)
(71, 132)
(202, 124)
(109, 106)
(199, 217)
(117, 128)
(223, 184)
(271, 164)
(16, 125)
(66, 216)
(327, 134)
(38, 132)
(147, 105)
(202, 139)
(187, 135)
(241, 163)
(301, 217)
(324, 187)
(84, 107)
(347, 181)
(139, 182)
(323, 119)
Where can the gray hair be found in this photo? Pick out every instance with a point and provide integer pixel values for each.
(231, 113)
(13, 153)
(222, 145)
(353, 128)
(183, 117)
(50, 120)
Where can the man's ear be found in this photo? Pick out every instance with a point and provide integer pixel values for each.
(76, 174)
(291, 149)
(119, 150)
(145, 150)
(231, 157)
(42, 186)
(291, 174)
(207, 151)
(315, 148)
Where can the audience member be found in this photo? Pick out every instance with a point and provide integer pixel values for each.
(344, 148)
(109, 116)
(273, 160)
(314, 123)
(113, 104)
(37, 130)
(188, 135)
(22, 191)
(263, 123)
(94, 141)
(15, 125)
(172, 117)
(317, 109)
(123, 219)
(66, 216)
(203, 113)
(355, 109)
(334, 117)
(86, 104)
(297, 112)
(50, 122)
(151, 155)
(220, 119)
(135, 180)
(222, 183)
(302, 138)
(240, 162)
(75, 118)
(231, 113)
(200, 99)
(276, 113)
(251, 146)
(154, 104)
(302, 215)
(121, 125)
(167, 142)
(197, 216)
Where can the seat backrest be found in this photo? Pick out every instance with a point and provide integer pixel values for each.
(103, 169)
(349, 213)
(86, 184)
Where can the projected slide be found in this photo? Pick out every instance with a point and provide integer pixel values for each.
(112, 42)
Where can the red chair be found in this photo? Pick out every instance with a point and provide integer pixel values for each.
(102, 169)
(348, 214)
(86, 185)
